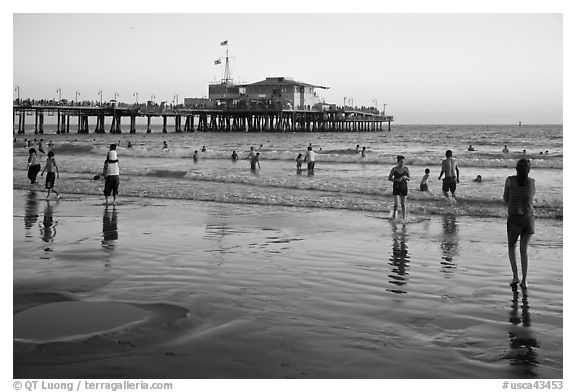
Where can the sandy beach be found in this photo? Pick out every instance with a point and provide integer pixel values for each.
(222, 290)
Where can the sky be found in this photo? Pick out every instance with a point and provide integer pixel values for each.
(441, 68)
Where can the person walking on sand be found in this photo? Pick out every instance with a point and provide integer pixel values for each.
(52, 172)
(310, 158)
(451, 175)
(112, 174)
(33, 166)
(519, 193)
(399, 175)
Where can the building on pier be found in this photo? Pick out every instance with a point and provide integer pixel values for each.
(282, 92)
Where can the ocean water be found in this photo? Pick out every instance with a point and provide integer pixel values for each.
(342, 179)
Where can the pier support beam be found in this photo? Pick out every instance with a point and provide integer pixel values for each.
(177, 123)
(132, 123)
(148, 129)
(22, 122)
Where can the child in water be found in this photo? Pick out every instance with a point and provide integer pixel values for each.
(424, 182)
(299, 160)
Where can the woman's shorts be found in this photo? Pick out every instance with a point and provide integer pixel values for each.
(50, 178)
(519, 225)
(424, 187)
(111, 185)
(400, 188)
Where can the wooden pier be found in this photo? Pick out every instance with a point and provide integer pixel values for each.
(202, 120)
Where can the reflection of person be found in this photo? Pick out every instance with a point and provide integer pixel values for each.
(519, 193)
(399, 175)
(310, 157)
(48, 229)
(33, 166)
(451, 175)
(52, 171)
(399, 258)
(31, 210)
(522, 342)
(112, 173)
(109, 225)
(449, 242)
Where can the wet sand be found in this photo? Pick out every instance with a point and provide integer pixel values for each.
(241, 291)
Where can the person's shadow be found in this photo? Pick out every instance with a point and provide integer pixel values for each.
(449, 243)
(522, 351)
(399, 258)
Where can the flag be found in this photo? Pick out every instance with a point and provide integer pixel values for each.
(216, 62)
(224, 43)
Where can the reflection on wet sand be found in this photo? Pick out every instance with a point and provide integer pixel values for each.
(109, 226)
(109, 231)
(399, 258)
(522, 353)
(449, 243)
(31, 211)
(48, 228)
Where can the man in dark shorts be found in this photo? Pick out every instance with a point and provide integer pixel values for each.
(451, 175)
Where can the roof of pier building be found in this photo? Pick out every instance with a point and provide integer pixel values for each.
(281, 81)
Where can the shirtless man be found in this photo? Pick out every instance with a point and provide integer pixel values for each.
(452, 175)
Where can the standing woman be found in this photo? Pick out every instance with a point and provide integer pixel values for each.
(33, 166)
(399, 175)
(519, 193)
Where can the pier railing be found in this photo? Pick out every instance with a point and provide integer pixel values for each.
(226, 119)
